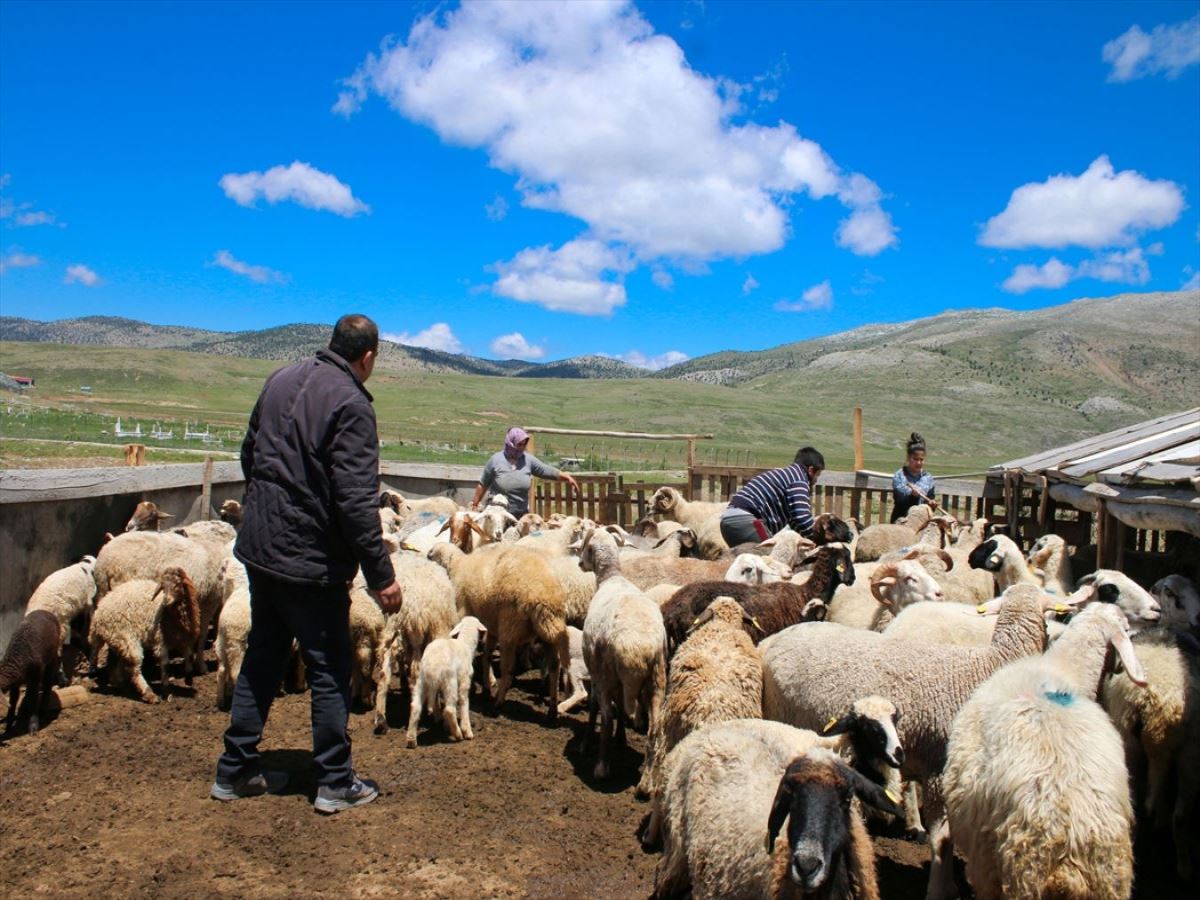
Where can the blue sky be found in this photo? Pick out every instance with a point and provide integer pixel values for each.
(651, 181)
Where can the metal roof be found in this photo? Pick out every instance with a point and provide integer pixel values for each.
(1162, 449)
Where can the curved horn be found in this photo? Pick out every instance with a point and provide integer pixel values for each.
(947, 559)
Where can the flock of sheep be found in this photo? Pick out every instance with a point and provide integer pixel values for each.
(926, 670)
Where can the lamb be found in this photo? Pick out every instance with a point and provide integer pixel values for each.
(1160, 730)
(813, 671)
(750, 568)
(772, 607)
(1030, 815)
(141, 614)
(200, 552)
(725, 802)
(1049, 560)
(147, 517)
(624, 647)
(1178, 600)
(427, 614)
(233, 630)
(513, 592)
(492, 521)
(444, 681)
(463, 528)
(68, 594)
(715, 676)
(577, 677)
(32, 660)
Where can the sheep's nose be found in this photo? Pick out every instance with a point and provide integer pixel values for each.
(806, 869)
(939, 596)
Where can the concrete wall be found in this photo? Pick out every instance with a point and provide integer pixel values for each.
(49, 518)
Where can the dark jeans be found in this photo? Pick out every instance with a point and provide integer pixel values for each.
(741, 527)
(319, 618)
(904, 503)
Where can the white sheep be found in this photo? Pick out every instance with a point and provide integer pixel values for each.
(513, 592)
(1001, 556)
(578, 587)
(624, 646)
(444, 681)
(428, 612)
(702, 517)
(366, 635)
(1160, 729)
(715, 675)
(726, 795)
(892, 587)
(233, 629)
(1111, 586)
(1032, 811)
(750, 568)
(814, 671)
(575, 677)
(1049, 561)
(130, 621)
(68, 594)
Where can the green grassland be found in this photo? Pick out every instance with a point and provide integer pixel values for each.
(981, 394)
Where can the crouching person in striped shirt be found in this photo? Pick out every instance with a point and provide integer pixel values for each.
(774, 499)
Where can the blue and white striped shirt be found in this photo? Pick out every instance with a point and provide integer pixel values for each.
(779, 497)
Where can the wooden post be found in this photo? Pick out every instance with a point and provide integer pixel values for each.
(860, 461)
(1102, 529)
(691, 464)
(135, 454)
(206, 490)
(529, 502)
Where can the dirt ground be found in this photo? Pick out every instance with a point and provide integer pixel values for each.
(112, 797)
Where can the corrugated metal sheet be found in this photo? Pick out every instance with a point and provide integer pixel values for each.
(1162, 449)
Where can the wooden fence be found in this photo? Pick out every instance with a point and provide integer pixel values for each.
(610, 499)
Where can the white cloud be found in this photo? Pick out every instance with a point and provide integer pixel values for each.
(1192, 284)
(300, 183)
(18, 260)
(662, 279)
(260, 274)
(1121, 266)
(36, 217)
(497, 209)
(640, 360)
(1100, 208)
(601, 119)
(749, 284)
(819, 296)
(437, 336)
(577, 277)
(1167, 48)
(81, 274)
(23, 215)
(514, 346)
(1052, 274)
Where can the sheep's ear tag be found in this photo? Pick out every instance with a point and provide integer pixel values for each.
(695, 622)
(891, 796)
(981, 609)
(840, 567)
(754, 622)
(829, 724)
(1061, 608)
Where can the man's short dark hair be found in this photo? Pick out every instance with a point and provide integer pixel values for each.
(810, 456)
(354, 335)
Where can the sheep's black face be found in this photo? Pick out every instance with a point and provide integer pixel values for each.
(817, 832)
(832, 530)
(979, 558)
(843, 567)
(873, 739)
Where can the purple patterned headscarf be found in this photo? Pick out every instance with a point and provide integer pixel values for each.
(514, 437)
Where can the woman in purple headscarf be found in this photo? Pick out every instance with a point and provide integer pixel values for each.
(510, 472)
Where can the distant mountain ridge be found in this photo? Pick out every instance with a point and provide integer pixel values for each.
(1131, 351)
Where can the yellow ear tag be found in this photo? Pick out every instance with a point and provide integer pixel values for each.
(981, 609)
(754, 622)
(695, 622)
(892, 797)
(829, 725)
(840, 567)
(1061, 608)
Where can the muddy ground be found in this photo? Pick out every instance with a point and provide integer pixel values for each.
(112, 797)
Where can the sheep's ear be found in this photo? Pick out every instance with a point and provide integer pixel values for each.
(837, 725)
(1133, 666)
(445, 525)
(475, 528)
(705, 616)
(780, 808)
(871, 793)
(505, 514)
(687, 538)
(990, 607)
(456, 630)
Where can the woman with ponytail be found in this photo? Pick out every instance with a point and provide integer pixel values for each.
(912, 485)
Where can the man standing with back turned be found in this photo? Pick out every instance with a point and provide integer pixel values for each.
(311, 461)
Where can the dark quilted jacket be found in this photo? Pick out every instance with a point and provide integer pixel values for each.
(311, 461)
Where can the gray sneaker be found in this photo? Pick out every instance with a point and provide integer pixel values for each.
(359, 792)
(251, 786)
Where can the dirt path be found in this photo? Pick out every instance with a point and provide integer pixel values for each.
(112, 798)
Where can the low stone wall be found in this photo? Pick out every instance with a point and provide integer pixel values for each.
(49, 518)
